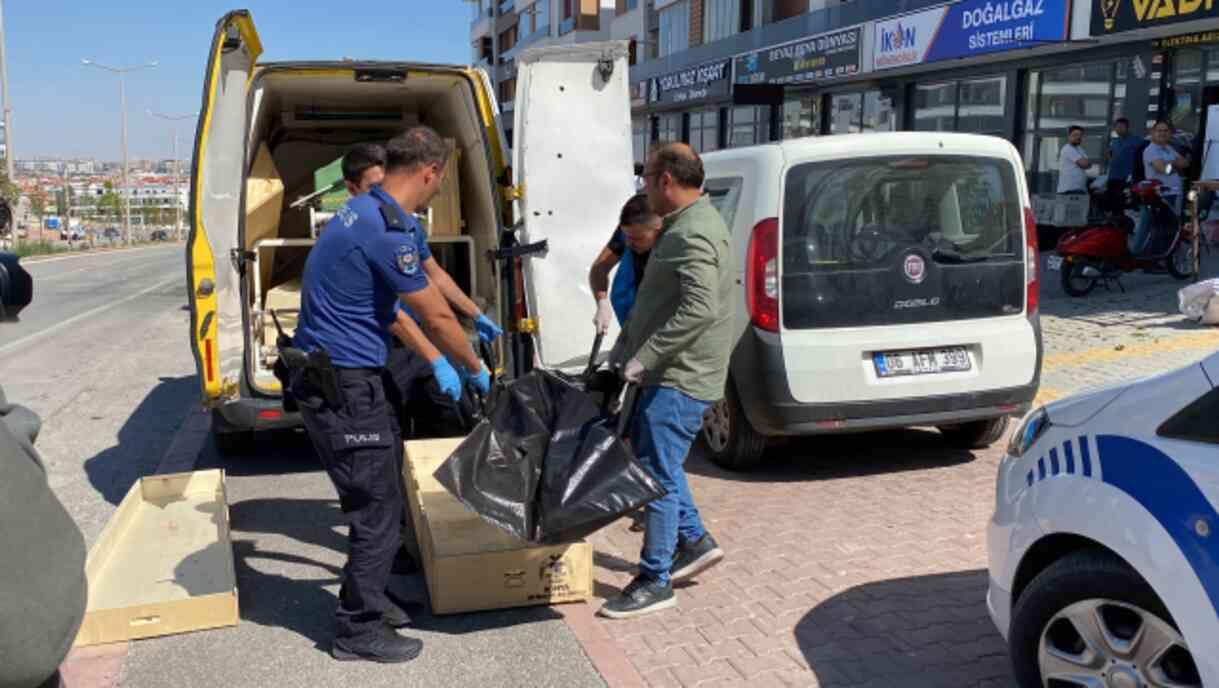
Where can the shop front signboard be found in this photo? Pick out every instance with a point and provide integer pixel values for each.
(705, 82)
(818, 58)
(968, 29)
(1116, 16)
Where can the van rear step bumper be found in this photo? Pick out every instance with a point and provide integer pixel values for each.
(771, 410)
(820, 419)
(245, 415)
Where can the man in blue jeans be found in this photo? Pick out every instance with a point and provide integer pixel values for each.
(676, 346)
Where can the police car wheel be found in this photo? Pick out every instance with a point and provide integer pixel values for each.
(1090, 620)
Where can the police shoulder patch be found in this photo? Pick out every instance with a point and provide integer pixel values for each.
(347, 216)
(408, 259)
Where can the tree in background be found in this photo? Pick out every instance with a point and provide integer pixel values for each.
(109, 202)
(38, 205)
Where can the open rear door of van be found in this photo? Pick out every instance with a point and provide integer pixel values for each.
(217, 183)
(573, 157)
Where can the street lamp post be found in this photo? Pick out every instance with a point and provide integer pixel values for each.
(122, 73)
(177, 166)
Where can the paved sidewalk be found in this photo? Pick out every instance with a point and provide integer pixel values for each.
(860, 561)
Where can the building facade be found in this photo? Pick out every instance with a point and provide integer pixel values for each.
(501, 29)
(726, 73)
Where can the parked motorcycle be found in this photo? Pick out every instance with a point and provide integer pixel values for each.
(1100, 254)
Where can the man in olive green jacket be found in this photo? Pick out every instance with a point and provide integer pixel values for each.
(676, 347)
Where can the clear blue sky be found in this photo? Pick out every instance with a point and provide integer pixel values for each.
(62, 108)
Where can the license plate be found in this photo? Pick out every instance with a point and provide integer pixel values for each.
(953, 359)
(1053, 263)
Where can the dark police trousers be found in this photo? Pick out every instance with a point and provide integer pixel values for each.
(360, 447)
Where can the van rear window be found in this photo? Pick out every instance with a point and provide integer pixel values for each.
(900, 239)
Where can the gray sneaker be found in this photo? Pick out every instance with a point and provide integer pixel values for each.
(694, 558)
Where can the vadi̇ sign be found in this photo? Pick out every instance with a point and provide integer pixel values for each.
(968, 28)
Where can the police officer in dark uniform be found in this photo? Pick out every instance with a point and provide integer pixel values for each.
(367, 259)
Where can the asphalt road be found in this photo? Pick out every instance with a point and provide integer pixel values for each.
(102, 355)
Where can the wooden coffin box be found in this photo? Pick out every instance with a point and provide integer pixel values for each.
(164, 563)
(470, 564)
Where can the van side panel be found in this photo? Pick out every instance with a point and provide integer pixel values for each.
(216, 190)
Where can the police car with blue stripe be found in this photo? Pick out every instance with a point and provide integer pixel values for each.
(1104, 545)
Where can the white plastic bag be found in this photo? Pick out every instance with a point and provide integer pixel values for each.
(1198, 302)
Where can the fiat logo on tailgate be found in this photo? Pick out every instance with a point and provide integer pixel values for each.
(915, 269)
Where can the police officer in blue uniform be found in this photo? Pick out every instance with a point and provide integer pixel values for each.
(368, 258)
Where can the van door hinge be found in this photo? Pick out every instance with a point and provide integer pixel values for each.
(514, 193)
(240, 258)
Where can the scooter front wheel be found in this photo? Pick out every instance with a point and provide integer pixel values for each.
(1074, 282)
(1181, 261)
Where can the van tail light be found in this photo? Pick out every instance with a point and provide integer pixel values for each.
(1033, 298)
(762, 275)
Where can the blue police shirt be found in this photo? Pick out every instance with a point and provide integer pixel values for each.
(352, 280)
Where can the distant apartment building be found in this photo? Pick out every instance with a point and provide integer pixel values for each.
(501, 29)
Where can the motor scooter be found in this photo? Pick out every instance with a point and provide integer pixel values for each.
(1100, 253)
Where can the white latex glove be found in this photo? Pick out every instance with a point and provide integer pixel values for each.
(604, 317)
(633, 372)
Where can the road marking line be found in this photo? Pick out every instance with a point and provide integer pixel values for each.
(1068, 359)
(34, 260)
(87, 314)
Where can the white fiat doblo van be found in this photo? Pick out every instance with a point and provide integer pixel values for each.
(887, 280)
(268, 139)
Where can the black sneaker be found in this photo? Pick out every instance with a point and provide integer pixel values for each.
(395, 617)
(694, 558)
(380, 645)
(641, 596)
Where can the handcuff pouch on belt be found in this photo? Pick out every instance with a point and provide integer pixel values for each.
(313, 368)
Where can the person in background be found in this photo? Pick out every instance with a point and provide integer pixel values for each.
(638, 228)
(1162, 163)
(1073, 164)
(1122, 153)
(675, 346)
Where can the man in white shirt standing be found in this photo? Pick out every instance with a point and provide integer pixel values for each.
(1073, 163)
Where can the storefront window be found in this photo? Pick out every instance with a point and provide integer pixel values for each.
(983, 103)
(1186, 108)
(750, 126)
(668, 128)
(705, 130)
(1088, 95)
(846, 113)
(802, 117)
(1076, 96)
(878, 114)
(935, 107)
(639, 137)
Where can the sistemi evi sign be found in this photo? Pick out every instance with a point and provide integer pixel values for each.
(968, 28)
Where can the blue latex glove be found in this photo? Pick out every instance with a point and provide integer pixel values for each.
(447, 378)
(488, 331)
(481, 381)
